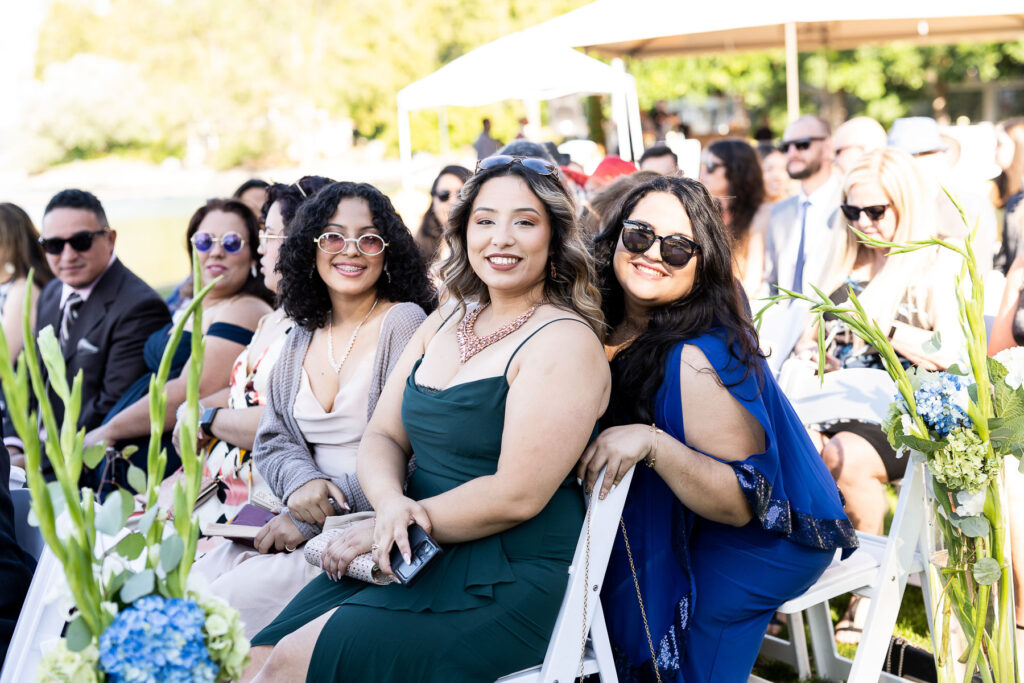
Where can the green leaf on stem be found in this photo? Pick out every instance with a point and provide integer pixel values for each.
(111, 516)
(973, 527)
(130, 547)
(918, 444)
(94, 454)
(129, 451)
(138, 586)
(955, 369)
(171, 551)
(146, 520)
(78, 635)
(933, 345)
(137, 479)
(986, 571)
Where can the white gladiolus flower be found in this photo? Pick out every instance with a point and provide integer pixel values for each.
(970, 504)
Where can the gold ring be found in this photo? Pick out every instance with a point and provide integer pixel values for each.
(291, 550)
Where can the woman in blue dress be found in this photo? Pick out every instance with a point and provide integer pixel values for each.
(731, 510)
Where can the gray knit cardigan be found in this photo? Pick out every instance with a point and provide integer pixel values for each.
(280, 452)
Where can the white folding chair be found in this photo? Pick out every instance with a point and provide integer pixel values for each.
(562, 659)
(781, 327)
(879, 569)
(39, 624)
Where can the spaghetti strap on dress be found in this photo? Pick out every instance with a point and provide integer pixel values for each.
(482, 609)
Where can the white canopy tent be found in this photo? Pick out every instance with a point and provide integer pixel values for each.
(648, 28)
(525, 67)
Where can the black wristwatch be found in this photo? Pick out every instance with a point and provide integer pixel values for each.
(206, 420)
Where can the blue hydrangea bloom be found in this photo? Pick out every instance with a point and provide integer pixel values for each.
(155, 640)
(941, 403)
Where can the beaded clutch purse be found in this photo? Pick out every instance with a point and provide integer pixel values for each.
(361, 567)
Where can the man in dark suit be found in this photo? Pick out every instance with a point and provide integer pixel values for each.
(101, 312)
(15, 566)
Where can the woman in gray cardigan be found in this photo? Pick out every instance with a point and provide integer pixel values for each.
(354, 284)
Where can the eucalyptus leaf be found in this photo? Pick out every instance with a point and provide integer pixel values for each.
(108, 517)
(138, 586)
(972, 391)
(130, 547)
(127, 506)
(934, 343)
(171, 551)
(117, 582)
(146, 520)
(955, 369)
(32, 519)
(129, 451)
(93, 455)
(78, 635)
(986, 571)
(973, 527)
(916, 443)
(137, 479)
(56, 497)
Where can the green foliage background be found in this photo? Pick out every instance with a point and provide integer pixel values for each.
(228, 70)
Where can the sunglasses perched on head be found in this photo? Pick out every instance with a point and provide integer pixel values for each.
(538, 166)
(335, 243)
(231, 241)
(873, 213)
(80, 241)
(801, 144)
(676, 250)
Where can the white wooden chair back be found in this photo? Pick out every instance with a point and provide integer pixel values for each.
(879, 569)
(562, 659)
(781, 327)
(39, 624)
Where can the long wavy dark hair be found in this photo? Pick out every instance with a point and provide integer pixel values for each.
(746, 183)
(304, 295)
(253, 285)
(19, 241)
(714, 302)
(570, 280)
(429, 235)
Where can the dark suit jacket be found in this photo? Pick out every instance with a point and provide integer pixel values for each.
(15, 568)
(106, 339)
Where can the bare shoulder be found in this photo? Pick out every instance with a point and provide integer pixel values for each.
(245, 311)
(562, 343)
(716, 422)
(762, 217)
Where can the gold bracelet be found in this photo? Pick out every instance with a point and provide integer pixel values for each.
(651, 458)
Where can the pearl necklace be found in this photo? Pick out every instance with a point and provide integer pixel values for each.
(351, 342)
(470, 344)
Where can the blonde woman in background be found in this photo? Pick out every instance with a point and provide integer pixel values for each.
(911, 296)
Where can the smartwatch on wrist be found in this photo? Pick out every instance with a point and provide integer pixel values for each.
(206, 420)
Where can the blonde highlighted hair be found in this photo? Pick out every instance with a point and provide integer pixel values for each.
(571, 286)
(895, 173)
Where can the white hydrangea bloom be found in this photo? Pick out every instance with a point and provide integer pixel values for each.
(1013, 360)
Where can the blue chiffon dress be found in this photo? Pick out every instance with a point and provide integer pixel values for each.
(710, 589)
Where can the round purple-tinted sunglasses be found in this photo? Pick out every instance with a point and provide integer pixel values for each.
(231, 241)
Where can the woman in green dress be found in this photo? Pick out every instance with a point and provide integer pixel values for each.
(497, 395)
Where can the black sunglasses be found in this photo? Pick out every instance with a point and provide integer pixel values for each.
(80, 241)
(712, 166)
(874, 213)
(801, 144)
(676, 250)
(538, 166)
(443, 195)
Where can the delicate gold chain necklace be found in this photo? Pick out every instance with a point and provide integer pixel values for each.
(470, 344)
(351, 342)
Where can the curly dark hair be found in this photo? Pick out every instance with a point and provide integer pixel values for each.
(429, 235)
(746, 183)
(253, 285)
(715, 301)
(290, 196)
(303, 293)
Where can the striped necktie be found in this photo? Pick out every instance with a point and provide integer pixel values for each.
(68, 317)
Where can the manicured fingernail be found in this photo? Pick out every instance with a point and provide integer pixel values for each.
(579, 481)
(612, 488)
(408, 560)
(601, 497)
(346, 506)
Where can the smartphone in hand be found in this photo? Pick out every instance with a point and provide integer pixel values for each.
(423, 550)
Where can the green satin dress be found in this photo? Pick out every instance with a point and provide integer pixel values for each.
(480, 610)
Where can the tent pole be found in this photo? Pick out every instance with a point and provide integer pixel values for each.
(442, 130)
(620, 111)
(635, 130)
(405, 147)
(792, 74)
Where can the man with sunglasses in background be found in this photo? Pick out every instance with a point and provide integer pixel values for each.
(804, 230)
(100, 311)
